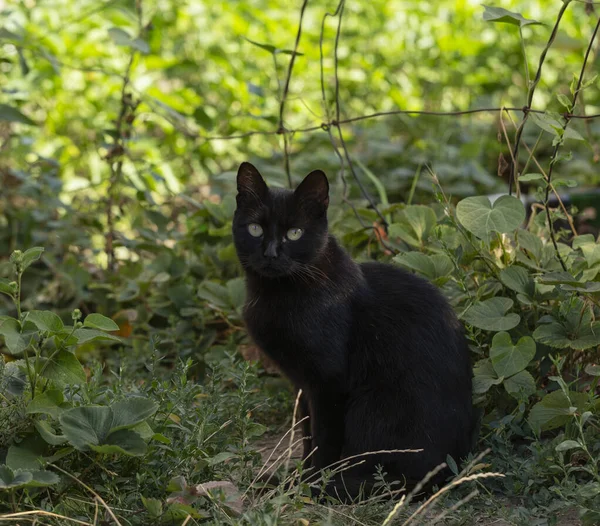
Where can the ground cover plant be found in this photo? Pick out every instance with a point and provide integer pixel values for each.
(129, 391)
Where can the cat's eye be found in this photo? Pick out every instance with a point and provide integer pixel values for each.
(255, 230)
(293, 234)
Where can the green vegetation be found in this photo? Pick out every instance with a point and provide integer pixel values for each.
(124, 395)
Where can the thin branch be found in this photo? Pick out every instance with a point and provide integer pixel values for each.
(286, 88)
(531, 91)
(554, 158)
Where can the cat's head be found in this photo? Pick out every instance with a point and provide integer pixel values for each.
(280, 232)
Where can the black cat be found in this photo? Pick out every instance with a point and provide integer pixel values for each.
(378, 353)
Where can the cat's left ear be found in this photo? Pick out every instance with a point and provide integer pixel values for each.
(314, 189)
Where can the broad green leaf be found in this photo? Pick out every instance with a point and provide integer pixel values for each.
(237, 292)
(567, 445)
(509, 359)
(22, 458)
(432, 267)
(63, 368)
(124, 441)
(592, 370)
(484, 377)
(12, 114)
(589, 247)
(154, 507)
(556, 335)
(5, 287)
(42, 478)
(140, 44)
(518, 279)
(86, 334)
(119, 36)
(414, 224)
(498, 14)
(491, 315)
(86, 426)
(13, 338)
(520, 384)
(555, 410)
(13, 479)
(131, 411)
(47, 433)
(45, 320)
(31, 255)
(50, 402)
(480, 218)
(97, 321)
(214, 293)
(531, 243)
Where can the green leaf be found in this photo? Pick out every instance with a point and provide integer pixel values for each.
(131, 411)
(47, 433)
(433, 267)
(153, 507)
(14, 479)
(567, 445)
(589, 247)
(531, 243)
(140, 44)
(5, 287)
(497, 14)
(97, 321)
(12, 114)
(13, 339)
(237, 292)
(414, 225)
(480, 218)
(50, 402)
(220, 457)
(558, 278)
(119, 36)
(272, 49)
(87, 425)
(527, 178)
(490, 315)
(85, 335)
(22, 458)
(555, 410)
(31, 255)
(124, 441)
(484, 377)
(214, 293)
(45, 320)
(555, 334)
(509, 359)
(520, 384)
(565, 101)
(63, 368)
(42, 478)
(518, 279)
(592, 370)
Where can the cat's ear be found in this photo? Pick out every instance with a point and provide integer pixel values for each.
(250, 183)
(314, 190)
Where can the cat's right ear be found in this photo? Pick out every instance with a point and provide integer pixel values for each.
(250, 184)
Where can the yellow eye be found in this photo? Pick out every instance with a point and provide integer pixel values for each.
(255, 230)
(293, 234)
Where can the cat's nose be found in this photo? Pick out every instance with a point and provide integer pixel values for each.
(271, 251)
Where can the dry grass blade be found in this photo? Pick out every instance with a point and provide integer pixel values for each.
(33, 514)
(447, 488)
(454, 507)
(96, 495)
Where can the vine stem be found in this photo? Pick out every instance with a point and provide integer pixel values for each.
(531, 92)
(554, 158)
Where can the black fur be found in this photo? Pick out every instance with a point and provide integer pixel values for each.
(378, 352)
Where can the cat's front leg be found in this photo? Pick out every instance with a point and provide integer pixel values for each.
(307, 442)
(327, 409)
